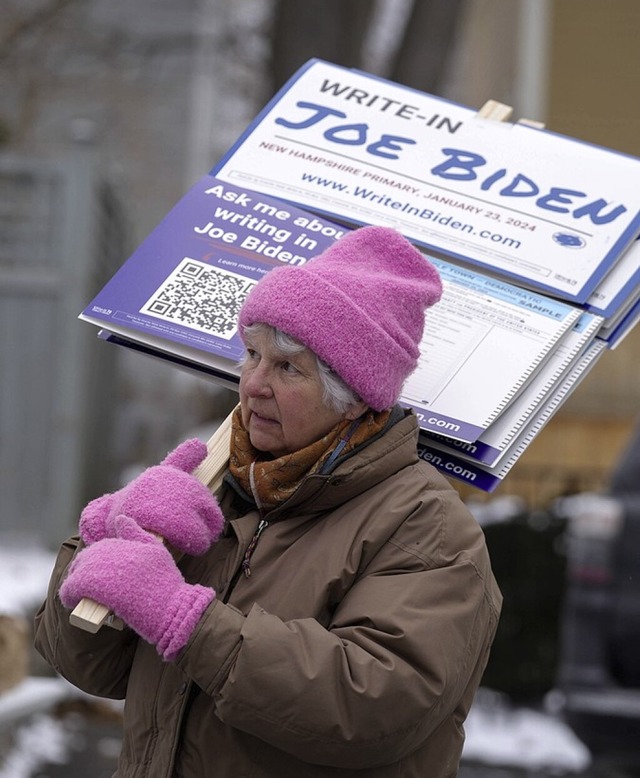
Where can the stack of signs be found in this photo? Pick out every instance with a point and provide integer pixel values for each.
(534, 235)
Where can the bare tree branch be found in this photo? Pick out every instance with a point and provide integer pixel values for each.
(423, 54)
(329, 29)
(27, 24)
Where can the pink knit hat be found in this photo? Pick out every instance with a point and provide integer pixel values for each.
(359, 306)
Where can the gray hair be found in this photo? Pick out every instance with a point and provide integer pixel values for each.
(336, 394)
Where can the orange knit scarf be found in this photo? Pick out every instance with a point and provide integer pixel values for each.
(272, 481)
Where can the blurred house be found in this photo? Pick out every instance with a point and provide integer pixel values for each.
(130, 102)
(108, 112)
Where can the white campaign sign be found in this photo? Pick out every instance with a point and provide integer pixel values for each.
(542, 209)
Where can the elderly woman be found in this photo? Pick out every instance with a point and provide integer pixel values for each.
(338, 624)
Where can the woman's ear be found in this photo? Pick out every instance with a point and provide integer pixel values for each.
(356, 410)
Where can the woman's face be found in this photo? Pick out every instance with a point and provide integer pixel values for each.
(281, 398)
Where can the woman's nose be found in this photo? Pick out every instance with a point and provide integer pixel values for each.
(257, 382)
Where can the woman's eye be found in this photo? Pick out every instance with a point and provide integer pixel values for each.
(287, 367)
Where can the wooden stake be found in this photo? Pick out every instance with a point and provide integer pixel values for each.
(500, 112)
(492, 109)
(89, 615)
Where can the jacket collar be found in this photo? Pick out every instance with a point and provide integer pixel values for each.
(394, 448)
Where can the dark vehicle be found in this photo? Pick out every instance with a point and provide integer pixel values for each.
(599, 654)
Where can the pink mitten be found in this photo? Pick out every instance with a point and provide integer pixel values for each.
(135, 576)
(165, 499)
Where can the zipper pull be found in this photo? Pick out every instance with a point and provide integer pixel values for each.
(246, 562)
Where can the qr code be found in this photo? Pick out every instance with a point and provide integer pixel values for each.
(201, 297)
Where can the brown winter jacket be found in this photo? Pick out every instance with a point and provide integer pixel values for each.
(354, 648)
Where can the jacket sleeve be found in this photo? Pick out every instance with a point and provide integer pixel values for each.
(98, 663)
(404, 651)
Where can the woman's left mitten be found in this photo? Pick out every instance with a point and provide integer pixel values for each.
(135, 576)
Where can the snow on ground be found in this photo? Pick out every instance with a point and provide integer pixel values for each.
(42, 739)
(25, 568)
(502, 735)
